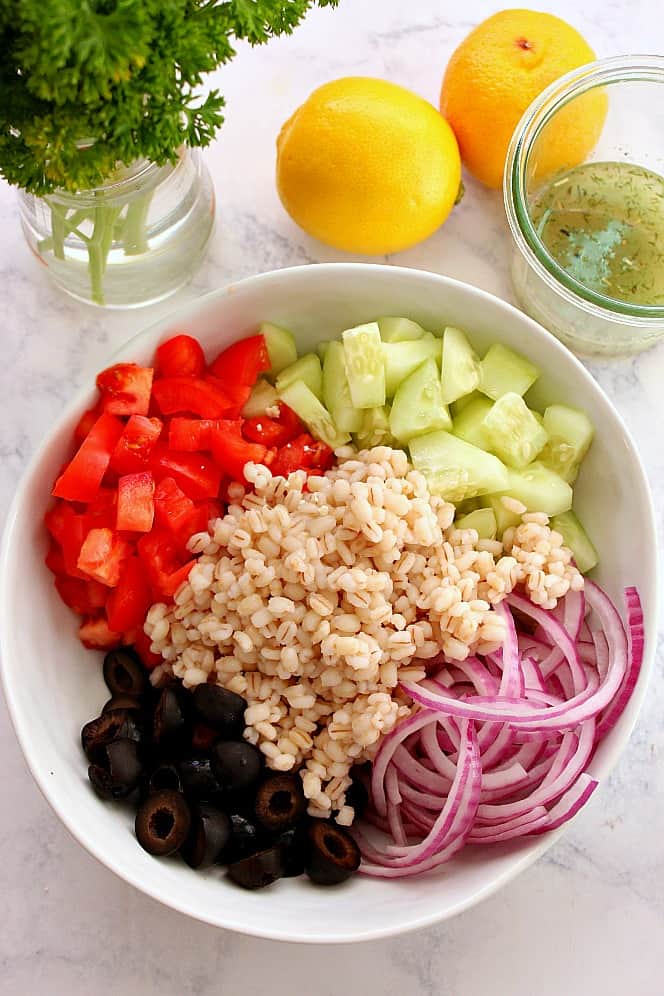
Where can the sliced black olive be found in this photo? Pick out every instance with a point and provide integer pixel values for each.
(258, 870)
(280, 802)
(123, 672)
(221, 709)
(129, 702)
(333, 854)
(170, 720)
(357, 797)
(208, 836)
(162, 822)
(202, 737)
(164, 776)
(236, 764)
(101, 781)
(118, 724)
(197, 777)
(123, 764)
(245, 839)
(294, 844)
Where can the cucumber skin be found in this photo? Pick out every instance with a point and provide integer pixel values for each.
(308, 370)
(576, 538)
(414, 415)
(503, 370)
(316, 417)
(336, 392)
(281, 347)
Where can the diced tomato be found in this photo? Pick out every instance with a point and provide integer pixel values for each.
(175, 395)
(54, 559)
(198, 475)
(141, 644)
(302, 453)
(136, 502)
(84, 597)
(95, 634)
(163, 561)
(102, 554)
(190, 434)
(133, 449)
(82, 477)
(232, 451)
(237, 394)
(273, 431)
(102, 510)
(125, 389)
(58, 519)
(129, 601)
(173, 509)
(242, 362)
(85, 423)
(180, 356)
(68, 528)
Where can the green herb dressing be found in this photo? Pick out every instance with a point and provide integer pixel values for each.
(603, 223)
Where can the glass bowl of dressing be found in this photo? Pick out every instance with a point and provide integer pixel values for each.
(588, 261)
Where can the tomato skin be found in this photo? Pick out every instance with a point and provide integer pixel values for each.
(190, 435)
(102, 554)
(85, 423)
(129, 601)
(177, 395)
(135, 503)
(173, 509)
(95, 634)
(83, 475)
(133, 449)
(125, 389)
(237, 394)
(102, 510)
(83, 597)
(180, 356)
(242, 362)
(302, 453)
(197, 475)
(55, 560)
(273, 431)
(232, 451)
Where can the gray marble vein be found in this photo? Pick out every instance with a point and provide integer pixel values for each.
(589, 917)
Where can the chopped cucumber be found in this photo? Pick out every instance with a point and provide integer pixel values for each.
(576, 538)
(539, 489)
(281, 347)
(455, 469)
(399, 329)
(336, 392)
(502, 371)
(322, 348)
(483, 520)
(503, 516)
(304, 403)
(263, 396)
(471, 504)
(375, 430)
(460, 366)
(570, 435)
(458, 406)
(401, 358)
(513, 432)
(418, 406)
(364, 365)
(308, 370)
(469, 423)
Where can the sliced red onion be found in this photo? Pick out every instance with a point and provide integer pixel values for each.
(616, 708)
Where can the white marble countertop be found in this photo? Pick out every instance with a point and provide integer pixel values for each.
(589, 917)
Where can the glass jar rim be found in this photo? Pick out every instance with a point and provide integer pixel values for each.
(143, 173)
(618, 69)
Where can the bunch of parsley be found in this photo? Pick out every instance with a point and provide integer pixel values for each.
(88, 84)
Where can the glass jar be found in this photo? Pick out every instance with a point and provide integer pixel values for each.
(128, 243)
(628, 161)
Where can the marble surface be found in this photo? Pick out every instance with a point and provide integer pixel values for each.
(589, 917)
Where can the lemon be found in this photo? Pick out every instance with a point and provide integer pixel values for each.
(367, 166)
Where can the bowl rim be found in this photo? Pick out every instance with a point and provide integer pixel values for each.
(96, 850)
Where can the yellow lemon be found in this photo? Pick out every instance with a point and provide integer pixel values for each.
(367, 166)
(497, 71)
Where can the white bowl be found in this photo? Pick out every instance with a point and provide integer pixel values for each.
(53, 685)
